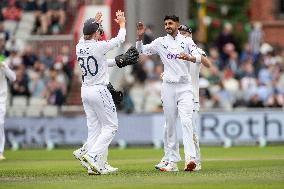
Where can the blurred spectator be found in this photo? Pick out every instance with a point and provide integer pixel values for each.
(276, 98)
(54, 91)
(41, 20)
(148, 65)
(153, 101)
(230, 83)
(30, 5)
(233, 62)
(3, 50)
(255, 102)
(214, 57)
(214, 75)
(261, 92)
(61, 75)
(222, 99)
(55, 15)
(3, 33)
(149, 36)
(50, 16)
(47, 58)
(246, 53)
(256, 38)
(36, 84)
(29, 57)
(65, 60)
(20, 86)
(12, 12)
(139, 72)
(267, 74)
(225, 37)
(204, 93)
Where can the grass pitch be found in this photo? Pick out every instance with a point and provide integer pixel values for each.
(237, 167)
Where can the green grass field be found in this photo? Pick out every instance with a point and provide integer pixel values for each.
(237, 167)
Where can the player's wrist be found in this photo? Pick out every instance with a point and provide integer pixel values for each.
(198, 59)
(122, 25)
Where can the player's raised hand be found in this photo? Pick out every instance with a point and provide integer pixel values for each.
(140, 30)
(98, 17)
(120, 18)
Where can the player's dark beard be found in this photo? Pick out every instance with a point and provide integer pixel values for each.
(170, 31)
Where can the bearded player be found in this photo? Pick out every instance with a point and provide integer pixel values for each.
(177, 92)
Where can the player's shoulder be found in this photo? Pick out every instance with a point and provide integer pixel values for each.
(159, 39)
(80, 44)
(187, 39)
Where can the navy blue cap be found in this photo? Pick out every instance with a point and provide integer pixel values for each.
(185, 28)
(90, 26)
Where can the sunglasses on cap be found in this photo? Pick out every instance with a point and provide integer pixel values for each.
(185, 28)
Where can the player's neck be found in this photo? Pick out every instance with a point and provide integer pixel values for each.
(174, 34)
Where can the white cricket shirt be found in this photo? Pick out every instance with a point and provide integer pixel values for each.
(5, 72)
(168, 48)
(92, 60)
(194, 73)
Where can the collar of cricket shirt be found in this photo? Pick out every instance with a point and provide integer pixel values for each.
(172, 38)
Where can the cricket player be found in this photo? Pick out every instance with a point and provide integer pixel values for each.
(78, 154)
(97, 100)
(176, 92)
(5, 72)
(194, 70)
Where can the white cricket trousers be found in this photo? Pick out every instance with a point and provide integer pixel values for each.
(177, 100)
(102, 119)
(2, 133)
(195, 117)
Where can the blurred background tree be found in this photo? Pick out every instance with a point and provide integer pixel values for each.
(213, 14)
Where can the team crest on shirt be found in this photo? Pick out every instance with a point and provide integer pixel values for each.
(182, 45)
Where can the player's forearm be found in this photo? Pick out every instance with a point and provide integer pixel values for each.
(120, 38)
(206, 62)
(195, 58)
(122, 25)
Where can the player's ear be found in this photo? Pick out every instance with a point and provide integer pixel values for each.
(178, 24)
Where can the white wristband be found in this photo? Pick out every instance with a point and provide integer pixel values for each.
(198, 59)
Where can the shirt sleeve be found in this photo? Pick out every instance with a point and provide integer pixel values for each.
(111, 62)
(202, 52)
(148, 49)
(10, 74)
(114, 42)
(192, 48)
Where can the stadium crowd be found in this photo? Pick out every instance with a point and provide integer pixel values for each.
(50, 15)
(248, 76)
(38, 75)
